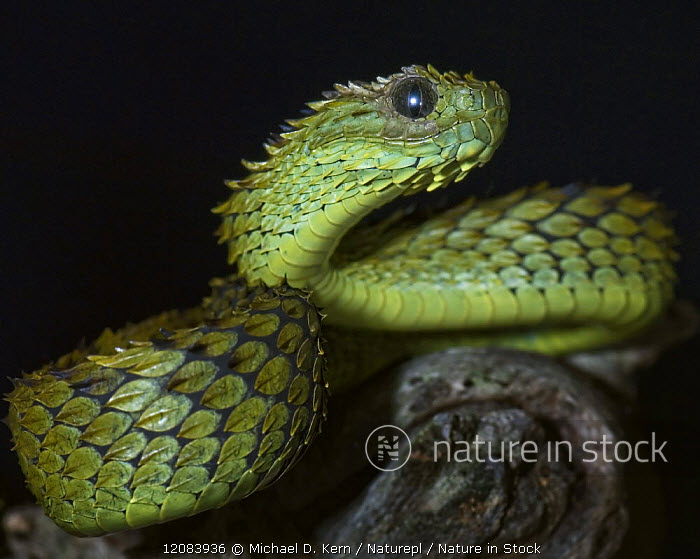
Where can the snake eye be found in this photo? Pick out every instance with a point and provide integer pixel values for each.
(414, 97)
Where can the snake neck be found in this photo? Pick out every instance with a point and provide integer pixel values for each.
(278, 235)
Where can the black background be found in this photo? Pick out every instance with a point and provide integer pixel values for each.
(120, 125)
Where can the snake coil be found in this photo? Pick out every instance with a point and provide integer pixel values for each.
(224, 398)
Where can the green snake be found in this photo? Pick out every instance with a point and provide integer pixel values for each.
(190, 410)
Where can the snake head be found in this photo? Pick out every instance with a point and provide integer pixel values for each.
(416, 129)
(447, 123)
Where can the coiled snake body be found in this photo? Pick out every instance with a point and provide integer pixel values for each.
(222, 399)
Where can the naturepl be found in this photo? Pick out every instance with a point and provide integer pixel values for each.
(224, 398)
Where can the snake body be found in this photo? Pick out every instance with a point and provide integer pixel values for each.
(224, 398)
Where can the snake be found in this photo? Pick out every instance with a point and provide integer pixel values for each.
(190, 410)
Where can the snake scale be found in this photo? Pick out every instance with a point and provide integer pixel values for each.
(192, 409)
